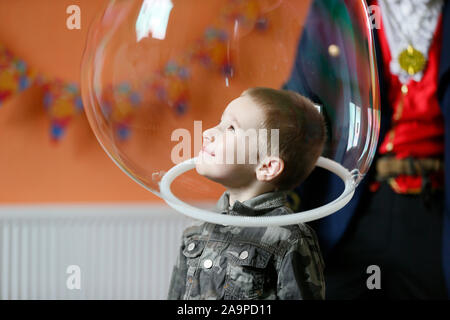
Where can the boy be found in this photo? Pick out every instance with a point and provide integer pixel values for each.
(228, 262)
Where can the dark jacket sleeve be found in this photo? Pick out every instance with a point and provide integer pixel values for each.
(300, 275)
(177, 285)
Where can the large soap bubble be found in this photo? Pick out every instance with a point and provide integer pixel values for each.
(157, 73)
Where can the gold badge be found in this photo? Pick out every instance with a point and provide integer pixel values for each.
(411, 60)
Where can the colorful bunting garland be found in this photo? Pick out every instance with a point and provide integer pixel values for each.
(62, 100)
(211, 51)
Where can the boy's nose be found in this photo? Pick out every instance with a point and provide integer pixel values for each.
(208, 135)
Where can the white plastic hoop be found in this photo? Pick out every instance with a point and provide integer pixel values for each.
(246, 221)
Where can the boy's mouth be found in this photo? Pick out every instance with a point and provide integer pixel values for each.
(205, 150)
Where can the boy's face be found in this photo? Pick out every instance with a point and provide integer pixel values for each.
(230, 149)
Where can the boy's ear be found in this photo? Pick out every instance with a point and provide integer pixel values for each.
(269, 169)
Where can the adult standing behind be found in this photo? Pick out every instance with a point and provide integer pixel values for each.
(399, 218)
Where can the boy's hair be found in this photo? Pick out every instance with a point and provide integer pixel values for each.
(302, 132)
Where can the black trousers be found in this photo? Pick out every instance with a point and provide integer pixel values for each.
(399, 234)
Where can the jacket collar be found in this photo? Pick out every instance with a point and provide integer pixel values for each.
(256, 206)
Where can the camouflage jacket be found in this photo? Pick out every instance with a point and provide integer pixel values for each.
(227, 262)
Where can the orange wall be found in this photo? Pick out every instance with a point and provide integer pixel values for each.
(32, 168)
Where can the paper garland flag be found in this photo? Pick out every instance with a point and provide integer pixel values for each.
(15, 75)
(63, 102)
(118, 105)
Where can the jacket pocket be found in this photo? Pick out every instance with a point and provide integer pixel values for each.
(247, 271)
(193, 248)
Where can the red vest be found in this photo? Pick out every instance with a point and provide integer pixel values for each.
(417, 124)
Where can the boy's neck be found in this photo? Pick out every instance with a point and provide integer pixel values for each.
(247, 193)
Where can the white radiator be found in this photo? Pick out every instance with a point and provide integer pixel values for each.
(122, 251)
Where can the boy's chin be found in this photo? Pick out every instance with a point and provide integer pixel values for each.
(207, 171)
(200, 169)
